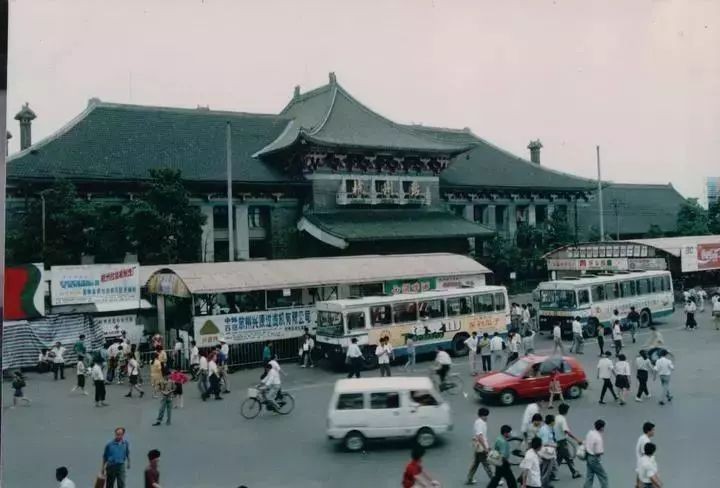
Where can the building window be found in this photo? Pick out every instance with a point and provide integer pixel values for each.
(541, 214)
(221, 251)
(367, 290)
(479, 213)
(499, 216)
(259, 249)
(220, 217)
(256, 217)
(286, 298)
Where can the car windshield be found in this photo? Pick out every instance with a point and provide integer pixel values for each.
(518, 368)
(562, 299)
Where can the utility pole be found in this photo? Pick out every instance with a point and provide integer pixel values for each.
(231, 240)
(616, 206)
(600, 196)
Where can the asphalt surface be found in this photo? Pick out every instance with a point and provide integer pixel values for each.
(211, 445)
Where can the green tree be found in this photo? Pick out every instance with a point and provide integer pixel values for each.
(692, 219)
(714, 217)
(164, 227)
(108, 235)
(67, 220)
(594, 234)
(558, 232)
(654, 231)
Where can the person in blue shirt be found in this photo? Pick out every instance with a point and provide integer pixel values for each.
(116, 458)
(503, 471)
(548, 465)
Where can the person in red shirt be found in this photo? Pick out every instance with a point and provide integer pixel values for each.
(414, 476)
(152, 475)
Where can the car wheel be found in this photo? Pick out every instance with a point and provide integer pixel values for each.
(507, 397)
(645, 318)
(458, 345)
(354, 441)
(425, 437)
(574, 392)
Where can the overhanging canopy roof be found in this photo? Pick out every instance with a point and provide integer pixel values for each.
(674, 245)
(339, 229)
(209, 278)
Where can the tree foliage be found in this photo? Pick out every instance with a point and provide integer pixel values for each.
(714, 217)
(692, 219)
(654, 232)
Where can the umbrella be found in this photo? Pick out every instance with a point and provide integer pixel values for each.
(178, 377)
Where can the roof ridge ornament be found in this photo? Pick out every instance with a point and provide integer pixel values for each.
(332, 78)
(296, 92)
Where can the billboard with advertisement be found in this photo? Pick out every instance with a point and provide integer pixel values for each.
(600, 264)
(396, 287)
(700, 257)
(267, 325)
(24, 292)
(95, 283)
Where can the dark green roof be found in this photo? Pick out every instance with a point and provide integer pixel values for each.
(367, 225)
(638, 207)
(122, 142)
(487, 166)
(330, 116)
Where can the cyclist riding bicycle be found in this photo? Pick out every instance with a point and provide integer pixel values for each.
(443, 362)
(270, 386)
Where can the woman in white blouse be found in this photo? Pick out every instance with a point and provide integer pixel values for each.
(622, 377)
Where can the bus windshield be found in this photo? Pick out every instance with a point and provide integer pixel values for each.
(329, 323)
(557, 299)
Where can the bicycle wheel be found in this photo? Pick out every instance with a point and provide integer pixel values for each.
(250, 408)
(285, 403)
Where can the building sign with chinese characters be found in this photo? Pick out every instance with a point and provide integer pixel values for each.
(445, 282)
(268, 325)
(700, 257)
(594, 264)
(95, 283)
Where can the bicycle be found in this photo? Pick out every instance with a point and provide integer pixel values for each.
(452, 385)
(252, 406)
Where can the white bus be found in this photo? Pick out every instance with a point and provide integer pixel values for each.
(594, 298)
(432, 318)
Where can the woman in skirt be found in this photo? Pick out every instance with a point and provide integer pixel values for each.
(622, 377)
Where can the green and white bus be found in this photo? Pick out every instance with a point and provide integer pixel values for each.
(594, 298)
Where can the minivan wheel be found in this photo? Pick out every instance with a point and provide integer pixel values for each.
(425, 437)
(354, 441)
(507, 397)
(573, 392)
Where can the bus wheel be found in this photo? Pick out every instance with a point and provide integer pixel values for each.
(645, 318)
(371, 360)
(591, 329)
(458, 344)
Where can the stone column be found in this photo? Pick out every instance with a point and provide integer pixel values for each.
(511, 219)
(531, 215)
(242, 233)
(207, 241)
(469, 212)
(489, 217)
(161, 314)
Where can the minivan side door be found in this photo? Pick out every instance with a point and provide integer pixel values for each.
(425, 409)
(385, 416)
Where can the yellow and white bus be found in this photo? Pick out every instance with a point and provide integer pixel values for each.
(594, 298)
(432, 318)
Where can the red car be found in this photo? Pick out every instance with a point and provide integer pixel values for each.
(529, 377)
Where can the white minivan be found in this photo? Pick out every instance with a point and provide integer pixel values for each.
(373, 408)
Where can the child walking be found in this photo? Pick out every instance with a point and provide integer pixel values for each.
(18, 384)
(80, 371)
(555, 388)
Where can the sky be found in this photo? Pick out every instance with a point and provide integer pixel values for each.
(641, 79)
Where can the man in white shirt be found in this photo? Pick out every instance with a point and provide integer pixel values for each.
(354, 358)
(513, 347)
(648, 433)
(272, 383)
(562, 432)
(664, 368)
(307, 348)
(61, 475)
(617, 337)
(442, 364)
(530, 465)
(530, 411)
(472, 344)
(214, 377)
(606, 371)
(481, 446)
(98, 377)
(58, 360)
(578, 340)
(525, 319)
(595, 448)
(496, 349)
(203, 372)
(557, 340)
(702, 295)
(647, 469)
(716, 311)
(194, 359)
(382, 351)
(690, 309)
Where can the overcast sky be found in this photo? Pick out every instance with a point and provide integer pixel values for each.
(639, 78)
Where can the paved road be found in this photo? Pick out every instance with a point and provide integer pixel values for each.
(211, 445)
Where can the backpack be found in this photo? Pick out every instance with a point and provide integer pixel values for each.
(18, 383)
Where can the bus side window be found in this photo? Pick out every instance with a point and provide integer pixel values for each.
(499, 302)
(583, 297)
(598, 293)
(355, 320)
(643, 287)
(404, 312)
(459, 306)
(612, 291)
(626, 289)
(432, 309)
(380, 315)
(666, 281)
(483, 303)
